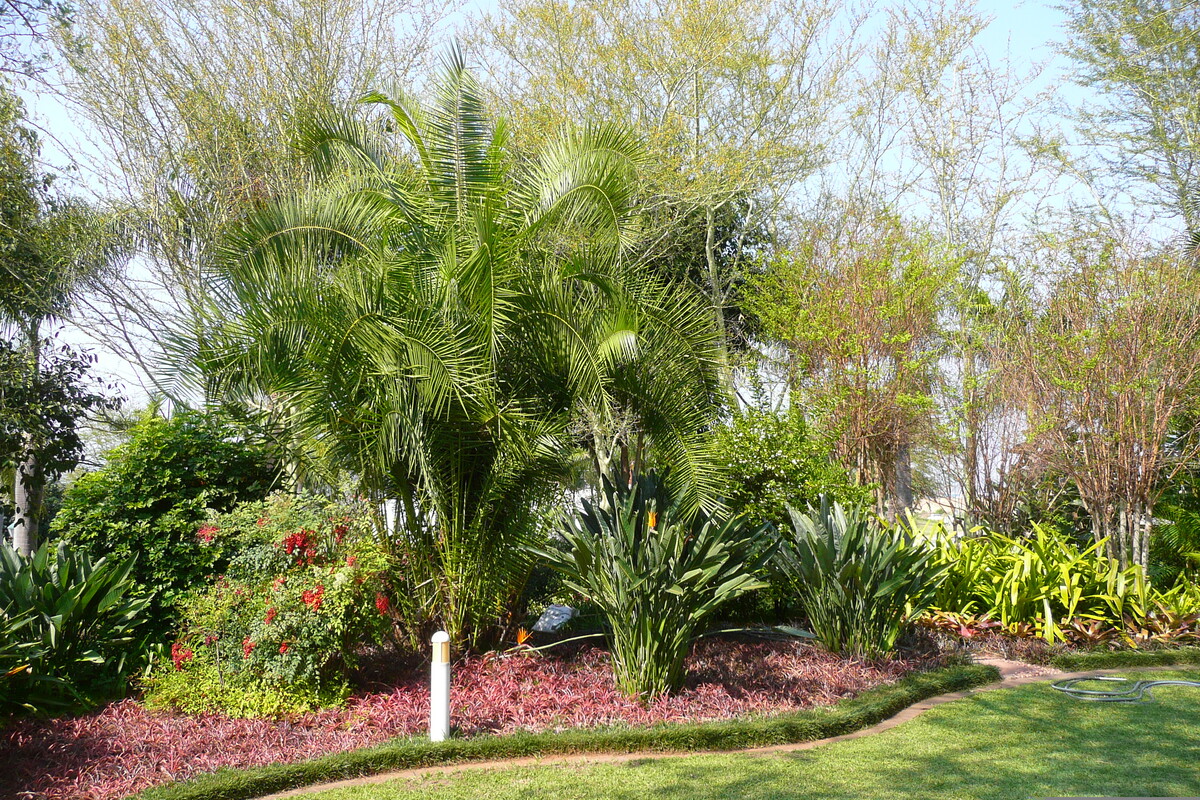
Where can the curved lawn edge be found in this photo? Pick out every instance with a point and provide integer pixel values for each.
(1174, 657)
(870, 707)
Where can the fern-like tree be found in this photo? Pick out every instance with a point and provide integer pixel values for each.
(436, 319)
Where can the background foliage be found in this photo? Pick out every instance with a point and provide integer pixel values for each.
(152, 496)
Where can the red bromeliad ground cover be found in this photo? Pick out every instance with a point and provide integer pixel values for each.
(124, 748)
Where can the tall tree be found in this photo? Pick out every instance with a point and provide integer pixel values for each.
(26, 27)
(941, 132)
(48, 247)
(973, 133)
(434, 324)
(195, 105)
(734, 99)
(1143, 58)
(1107, 369)
(855, 308)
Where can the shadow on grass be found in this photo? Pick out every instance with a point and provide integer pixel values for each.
(1028, 742)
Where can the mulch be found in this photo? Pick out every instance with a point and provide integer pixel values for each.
(123, 748)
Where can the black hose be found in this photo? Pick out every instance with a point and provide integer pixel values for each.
(1131, 692)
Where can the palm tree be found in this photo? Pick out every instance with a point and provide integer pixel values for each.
(1191, 235)
(439, 324)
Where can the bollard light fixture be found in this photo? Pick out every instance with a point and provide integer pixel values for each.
(439, 688)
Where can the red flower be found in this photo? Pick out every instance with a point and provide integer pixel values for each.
(262, 521)
(283, 647)
(302, 544)
(278, 584)
(350, 560)
(180, 655)
(271, 612)
(312, 597)
(247, 647)
(339, 533)
(207, 533)
(382, 603)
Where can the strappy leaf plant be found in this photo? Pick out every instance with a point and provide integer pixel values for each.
(657, 573)
(75, 624)
(856, 579)
(1044, 579)
(435, 317)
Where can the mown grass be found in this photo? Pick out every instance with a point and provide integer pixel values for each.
(1120, 659)
(1013, 743)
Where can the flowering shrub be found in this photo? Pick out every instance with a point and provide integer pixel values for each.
(305, 592)
(150, 501)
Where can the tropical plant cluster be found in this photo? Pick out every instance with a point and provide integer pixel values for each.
(655, 574)
(1048, 585)
(703, 306)
(72, 629)
(856, 579)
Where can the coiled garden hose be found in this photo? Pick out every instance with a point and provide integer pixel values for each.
(1129, 692)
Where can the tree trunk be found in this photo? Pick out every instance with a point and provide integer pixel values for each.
(971, 445)
(1138, 521)
(1126, 526)
(902, 493)
(28, 501)
(716, 292)
(28, 480)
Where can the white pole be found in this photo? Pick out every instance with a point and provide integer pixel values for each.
(439, 688)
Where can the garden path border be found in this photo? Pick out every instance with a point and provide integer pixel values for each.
(1012, 674)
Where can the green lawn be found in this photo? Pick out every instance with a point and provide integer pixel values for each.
(1017, 743)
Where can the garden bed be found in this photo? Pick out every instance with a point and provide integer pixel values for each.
(125, 748)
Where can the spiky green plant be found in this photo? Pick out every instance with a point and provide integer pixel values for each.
(72, 622)
(656, 573)
(855, 578)
(1044, 579)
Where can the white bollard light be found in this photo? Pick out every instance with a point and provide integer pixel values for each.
(439, 688)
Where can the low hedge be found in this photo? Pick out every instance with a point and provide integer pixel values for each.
(1116, 659)
(872, 706)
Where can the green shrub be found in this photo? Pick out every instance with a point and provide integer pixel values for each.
(1044, 580)
(655, 574)
(202, 688)
(855, 578)
(152, 497)
(20, 689)
(278, 632)
(771, 461)
(73, 624)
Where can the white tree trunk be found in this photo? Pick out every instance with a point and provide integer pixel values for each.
(27, 499)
